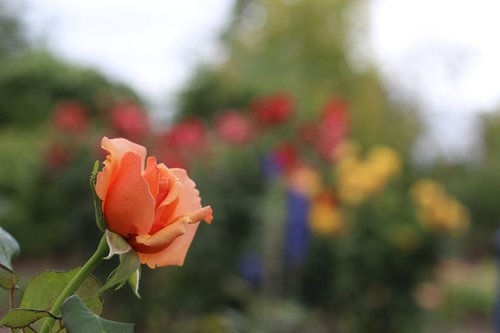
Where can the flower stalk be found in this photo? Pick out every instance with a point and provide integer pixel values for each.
(77, 280)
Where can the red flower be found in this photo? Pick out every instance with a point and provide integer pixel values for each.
(286, 157)
(233, 127)
(333, 127)
(273, 110)
(70, 117)
(130, 121)
(189, 134)
(56, 156)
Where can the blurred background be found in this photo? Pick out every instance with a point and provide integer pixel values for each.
(350, 150)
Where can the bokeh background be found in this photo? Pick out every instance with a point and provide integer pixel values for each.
(350, 151)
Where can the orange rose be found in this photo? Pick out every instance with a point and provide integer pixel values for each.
(156, 209)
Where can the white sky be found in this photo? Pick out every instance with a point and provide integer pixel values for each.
(446, 50)
(152, 45)
(444, 53)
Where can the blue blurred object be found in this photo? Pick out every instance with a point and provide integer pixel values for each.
(297, 230)
(271, 166)
(251, 268)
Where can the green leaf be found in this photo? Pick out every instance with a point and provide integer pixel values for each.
(44, 288)
(117, 245)
(9, 249)
(18, 318)
(99, 217)
(8, 280)
(129, 264)
(28, 329)
(133, 281)
(77, 318)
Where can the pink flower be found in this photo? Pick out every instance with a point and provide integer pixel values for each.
(333, 127)
(233, 127)
(189, 135)
(56, 156)
(130, 121)
(70, 117)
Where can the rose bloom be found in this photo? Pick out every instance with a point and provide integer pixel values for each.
(156, 209)
(70, 117)
(189, 134)
(273, 110)
(333, 127)
(233, 127)
(56, 156)
(130, 120)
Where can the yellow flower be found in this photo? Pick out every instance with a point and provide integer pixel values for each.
(325, 217)
(384, 161)
(426, 191)
(437, 209)
(357, 179)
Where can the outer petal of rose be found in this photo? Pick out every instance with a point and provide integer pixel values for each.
(129, 205)
(103, 179)
(117, 148)
(189, 196)
(202, 214)
(174, 254)
(165, 236)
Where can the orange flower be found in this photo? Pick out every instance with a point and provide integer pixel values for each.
(156, 209)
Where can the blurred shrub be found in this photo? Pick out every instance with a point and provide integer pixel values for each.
(31, 85)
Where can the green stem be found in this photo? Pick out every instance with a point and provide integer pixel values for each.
(76, 281)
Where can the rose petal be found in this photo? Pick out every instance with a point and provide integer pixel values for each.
(129, 205)
(161, 239)
(176, 252)
(202, 214)
(171, 185)
(189, 196)
(117, 148)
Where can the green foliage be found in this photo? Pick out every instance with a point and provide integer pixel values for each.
(33, 201)
(19, 318)
(30, 86)
(44, 288)
(210, 91)
(78, 318)
(129, 265)
(9, 249)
